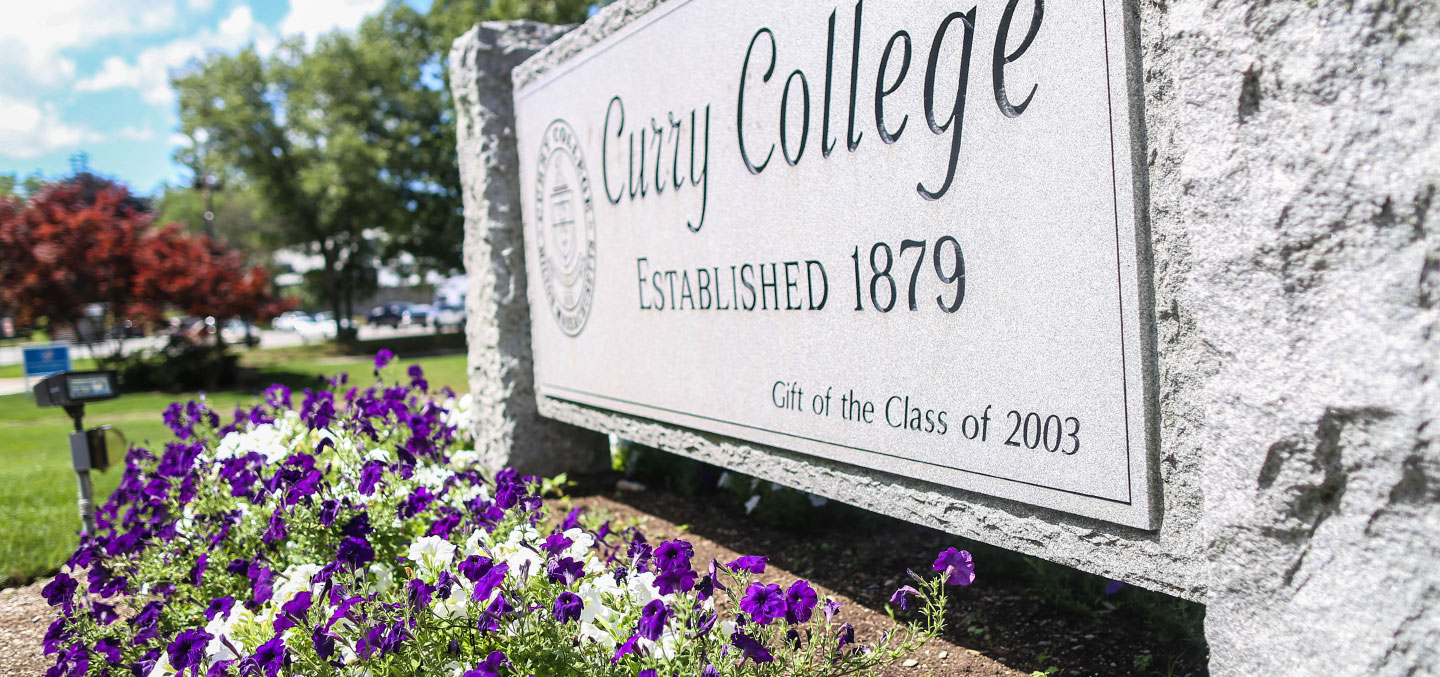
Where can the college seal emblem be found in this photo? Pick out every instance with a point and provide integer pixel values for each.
(565, 228)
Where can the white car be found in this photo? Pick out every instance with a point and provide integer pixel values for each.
(321, 327)
(287, 320)
(236, 331)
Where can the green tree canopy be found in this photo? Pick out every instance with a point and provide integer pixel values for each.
(349, 147)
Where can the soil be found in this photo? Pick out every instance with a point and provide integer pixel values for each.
(998, 625)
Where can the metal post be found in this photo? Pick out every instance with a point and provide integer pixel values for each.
(86, 503)
(80, 460)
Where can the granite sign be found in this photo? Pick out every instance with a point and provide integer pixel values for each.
(717, 198)
(893, 235)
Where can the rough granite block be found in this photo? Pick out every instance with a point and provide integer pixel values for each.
(509, 431)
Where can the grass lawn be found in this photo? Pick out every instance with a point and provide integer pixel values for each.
(38, 516)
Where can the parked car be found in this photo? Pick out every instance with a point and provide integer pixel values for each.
(398, 315)
(386, 315)
(319, 327)
(447, 316)
(126, 329)
(419, 316)
(286, 321)
(237, 331)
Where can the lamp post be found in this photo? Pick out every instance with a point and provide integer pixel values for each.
(72, 390)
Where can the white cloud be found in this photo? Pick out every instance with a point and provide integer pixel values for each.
(149, 72)
(36, 33)
(29, 129)
(313, 18)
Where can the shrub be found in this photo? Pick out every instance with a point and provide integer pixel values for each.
(181, 365)
(356, 534)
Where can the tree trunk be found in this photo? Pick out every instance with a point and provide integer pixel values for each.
(332, 286)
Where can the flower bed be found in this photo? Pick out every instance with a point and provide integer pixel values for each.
(357, 534)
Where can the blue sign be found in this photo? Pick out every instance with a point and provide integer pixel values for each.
(46, 360)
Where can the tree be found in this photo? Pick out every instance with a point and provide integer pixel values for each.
(239, 217)
(86, 240)
(70, 246)
(308, 130)
(350, 146)
(198, 276)
(12, 186)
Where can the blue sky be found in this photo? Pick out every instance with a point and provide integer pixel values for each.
(92, 75)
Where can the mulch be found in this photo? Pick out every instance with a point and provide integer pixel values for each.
(24, 617)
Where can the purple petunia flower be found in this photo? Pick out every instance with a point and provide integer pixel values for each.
(443, 583)
(568, 607)
(751, 563)
(830, 607)
(418, 593)
(674, 555)
(1113, 587)
(490, 667)
(845, 637)
(958, 566)
(188, 649)
(370, 476)
(486, 583)
(383, 358)
(358, 526)
(648, 672)
(475, 566)
(750, 648)
(198, 571)
(556, 543)
(626, 649)
(565, 570)
(61, 592)
(147, 622)
(710, 671)
(764, 602)
(324, 643)
(329, 509)
(653, 619)
(276, 531)
(262, 582)
(572, 519)
(109, 649)
(293, 612)
(269, 657)
(799, 602)
(103, 613)
(220, 606)
(355, 552)
(671, 581)
(901, 598)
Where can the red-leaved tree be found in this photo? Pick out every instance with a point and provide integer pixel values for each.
(87, 240)
(199, 276)
(72, 245)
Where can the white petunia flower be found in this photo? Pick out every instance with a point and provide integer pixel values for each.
(432, 553)
(464, 459)
(383, 577)
(581, 544)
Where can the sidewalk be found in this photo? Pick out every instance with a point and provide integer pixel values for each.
(12, 386)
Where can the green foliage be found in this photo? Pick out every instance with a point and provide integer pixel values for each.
(239, 220)
(181, 365)
(12, 186)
